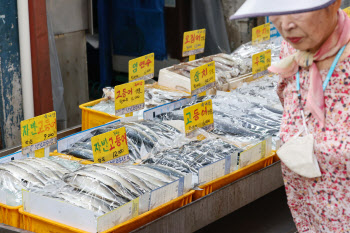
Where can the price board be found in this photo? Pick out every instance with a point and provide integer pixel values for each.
(193, 42)
(347, 11)
(199, 116)
(202, 78)
(260, 63)
(129, 97)
(110, 147)
(38, 132)
(261, 33)
(141, 68)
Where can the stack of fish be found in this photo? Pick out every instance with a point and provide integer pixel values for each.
(226, 67)
(230, 66)
(143, 136)
(31, 174)
(104, 187)
(244, 116)
(194, 155)
(155, 95)
(245, 52)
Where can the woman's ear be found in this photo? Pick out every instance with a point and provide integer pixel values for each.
(337, 4)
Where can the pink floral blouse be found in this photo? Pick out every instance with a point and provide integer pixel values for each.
(320, 204)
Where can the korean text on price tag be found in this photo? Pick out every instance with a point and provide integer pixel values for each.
(193, 42)
(202, 78)
(261, 33)
(199, 116)
(260, 62)
(38, 132)
(141, 68)
(347, 11)
(111, 147)
(129, 97)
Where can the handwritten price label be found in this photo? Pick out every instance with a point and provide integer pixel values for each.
(38, 132)
(193, 42)
(111, 147)
(129, 97)
(141, 68)
(199, 116)
(347, 11)
(261, 61)
(202, 78)
(261, 33)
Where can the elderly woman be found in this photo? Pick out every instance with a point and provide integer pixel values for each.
(316, 45)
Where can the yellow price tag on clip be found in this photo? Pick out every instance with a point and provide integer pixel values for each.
(260, 63)
(129, 97)
(261, 33)
(202, 78)
(347, 11)
(38, 132)
(199, 116)
(193, 42)
(39, 153)
(141, 68)
(111, 147)
(135, 207)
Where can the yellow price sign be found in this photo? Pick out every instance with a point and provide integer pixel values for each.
(135, 207)
(129, 97)
(260, 63)
(199, 116)
(261, 33)
(347, 11)
(193, 42)
(202, 78)
(38, 132)
(111, 147)
(141, 68)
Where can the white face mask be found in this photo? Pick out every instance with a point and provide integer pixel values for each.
(298, 154)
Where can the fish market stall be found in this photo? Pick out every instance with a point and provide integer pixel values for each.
(166, 170)
(174, 158)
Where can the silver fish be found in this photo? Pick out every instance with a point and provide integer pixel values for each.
(116, 177)
(92, 186)
(125, 174)
(45, 170)
(152, 172)
(148, 178)
(55, 166)
(21, 174)
(226, 56)
(148, 130)
(222, 66)
(107, 181)
(32, 171)
(167, 170)
(224, 61)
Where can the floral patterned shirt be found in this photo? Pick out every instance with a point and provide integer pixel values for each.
(320, 204)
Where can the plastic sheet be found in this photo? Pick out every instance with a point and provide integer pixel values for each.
(56, 79)
(209, 14)
(245, 52)
(244, 116)
(156, 95)
(32, 174)
(143, 137)
(104, 187)
(194, 155)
